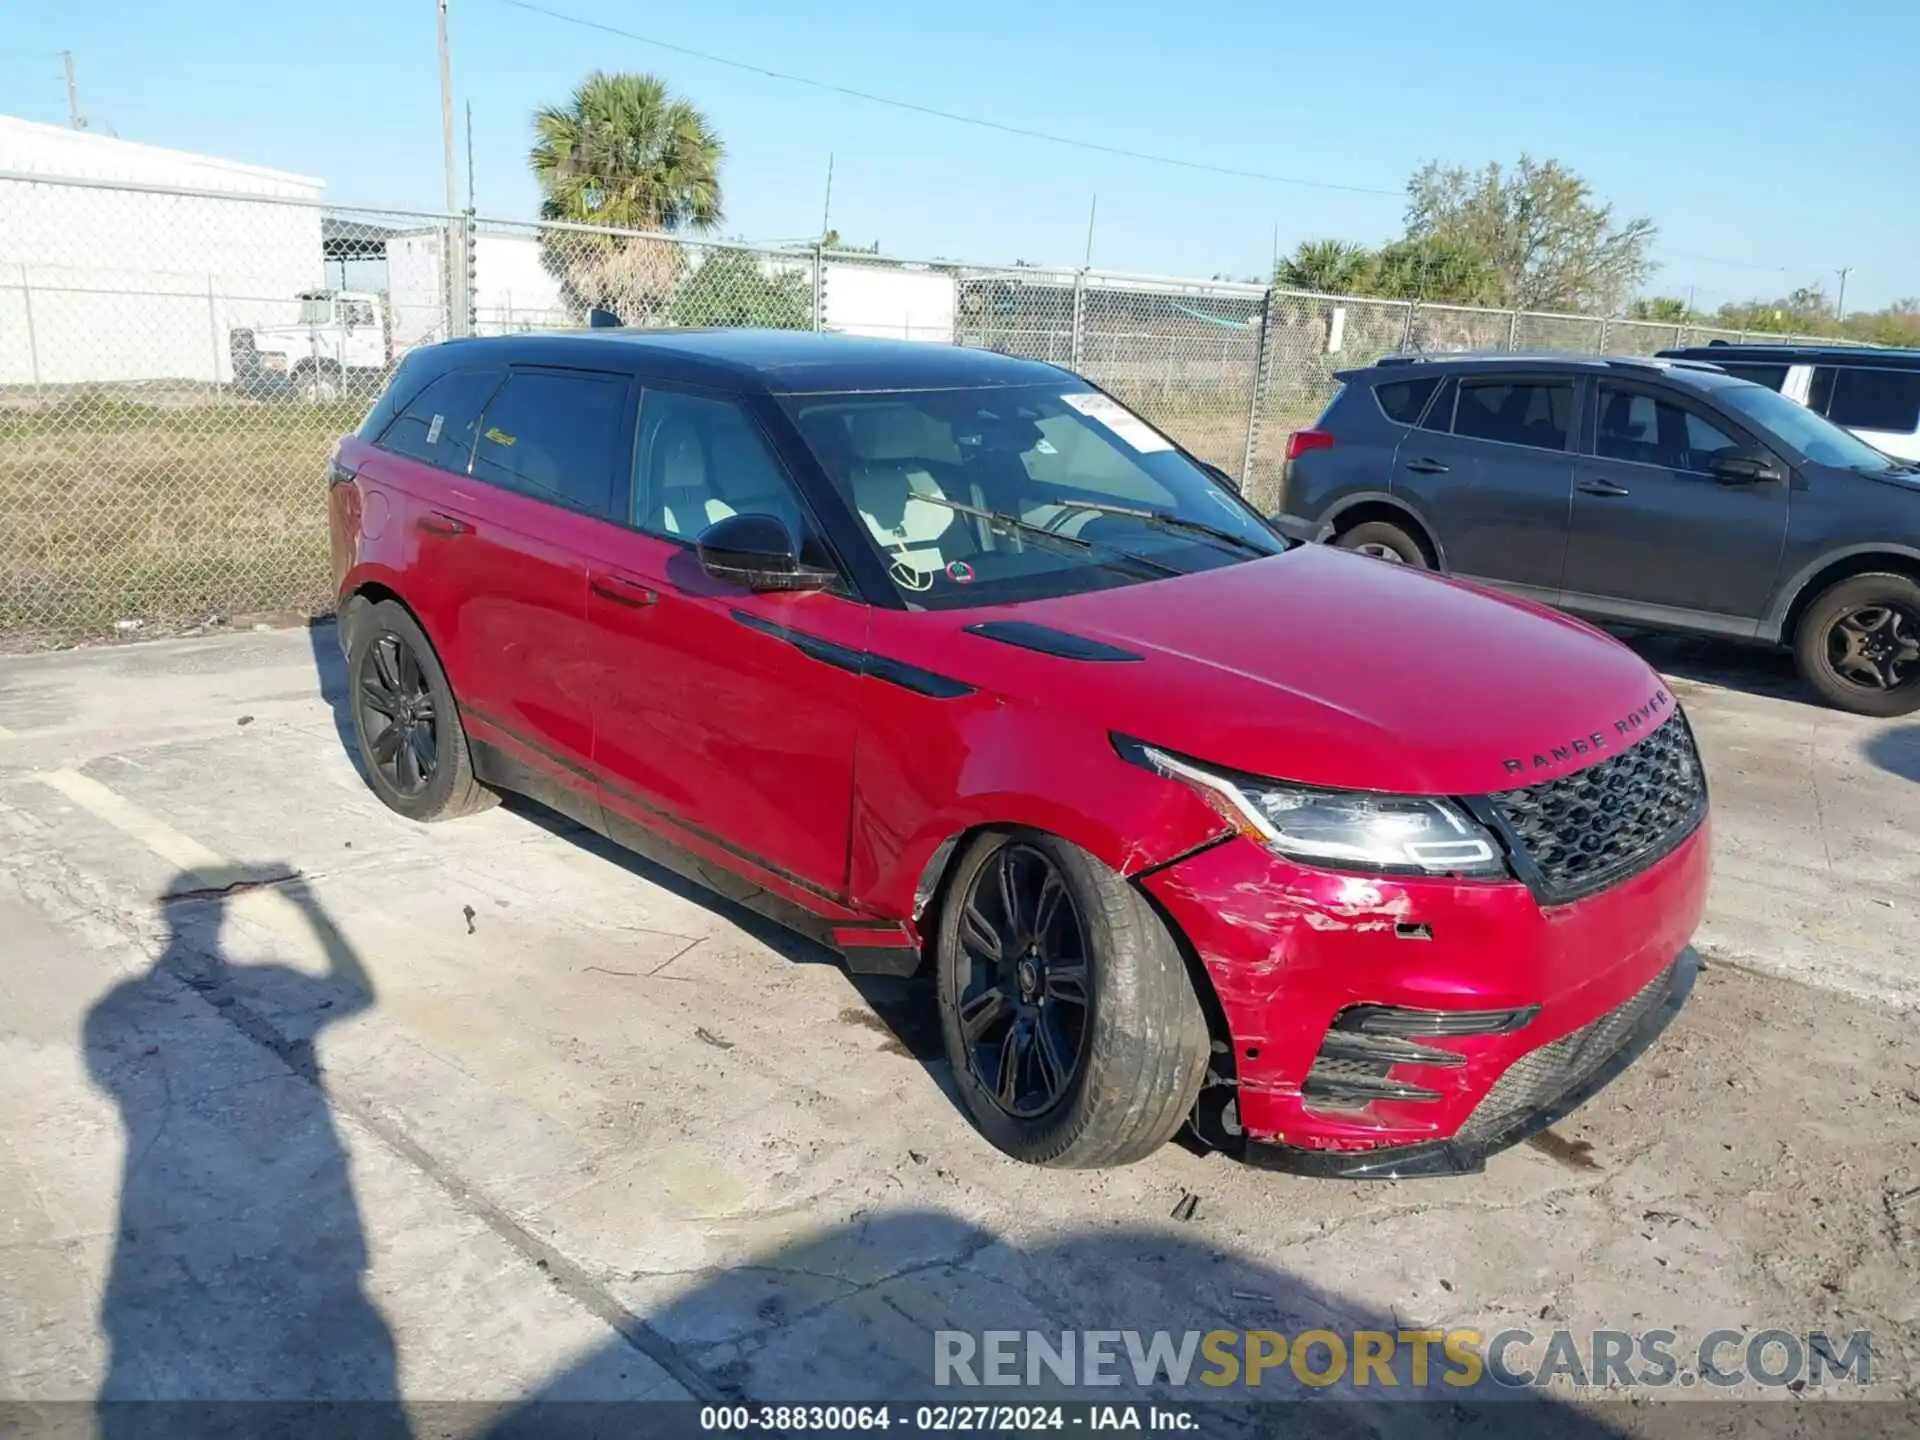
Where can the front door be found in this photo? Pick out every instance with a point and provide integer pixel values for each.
(730, 714)
(1656, 537)
(1489, 471)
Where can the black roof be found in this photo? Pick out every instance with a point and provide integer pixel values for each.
(1877, 356)
(781, 361)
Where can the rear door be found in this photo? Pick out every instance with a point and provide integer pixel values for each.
(730, 714)
(415, 502)
(1881, 406)
(1490, 470)
(1656, 537)
(546, 474)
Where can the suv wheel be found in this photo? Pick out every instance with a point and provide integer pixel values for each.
(413, 748)
(1858, 645)
(1383, 541)
(1072, 1028)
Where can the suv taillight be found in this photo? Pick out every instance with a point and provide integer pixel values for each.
(1301, 441)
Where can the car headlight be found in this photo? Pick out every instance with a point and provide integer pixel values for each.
(1338, 829)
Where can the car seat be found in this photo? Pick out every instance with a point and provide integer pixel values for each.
(677, 476)
(889, 477)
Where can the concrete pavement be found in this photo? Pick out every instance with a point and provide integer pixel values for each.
(298, 1099)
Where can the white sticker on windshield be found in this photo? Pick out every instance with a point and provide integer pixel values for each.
(433, 430)
(1121, 421)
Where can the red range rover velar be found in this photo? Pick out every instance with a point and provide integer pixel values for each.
(953, 662)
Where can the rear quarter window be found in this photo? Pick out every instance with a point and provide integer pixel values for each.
(1403, 401)
(436, 427)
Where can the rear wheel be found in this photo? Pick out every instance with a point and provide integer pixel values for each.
(413, 748)
(1383, 541)
(1858, 645)
(1072, 1028)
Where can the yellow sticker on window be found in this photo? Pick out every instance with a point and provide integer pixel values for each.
(498, 436)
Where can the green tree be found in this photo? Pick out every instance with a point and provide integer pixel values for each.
(730, 288)
(1552, 245)
(1438, 269)
(1661, 309)
(626, 154)
(1326, 267)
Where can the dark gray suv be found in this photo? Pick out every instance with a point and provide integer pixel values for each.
(1663, 494)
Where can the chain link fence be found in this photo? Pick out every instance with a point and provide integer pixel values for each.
(176, 365)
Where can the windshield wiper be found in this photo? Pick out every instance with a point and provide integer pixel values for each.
(1027, 527)
(1167, 521)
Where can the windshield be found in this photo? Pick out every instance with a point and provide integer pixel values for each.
(316, 312)
(981, 496)
(1814, 436)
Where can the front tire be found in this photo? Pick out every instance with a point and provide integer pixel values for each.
(1071, 1025)
(1384, 541)
(1858, 645)
(413, 748)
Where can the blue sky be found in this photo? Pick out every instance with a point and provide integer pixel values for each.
(1771, 143)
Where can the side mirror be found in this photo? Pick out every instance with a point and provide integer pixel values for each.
(756, 552)
(1746, 467)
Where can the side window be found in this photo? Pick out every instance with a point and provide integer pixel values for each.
(356, 312)
(554, 436)
(1535, 413)
(1774, 377)
(700, 458)
(1403, 400)
(1641, 428)
(1866, 399)
(437, 426)
(1439, 414)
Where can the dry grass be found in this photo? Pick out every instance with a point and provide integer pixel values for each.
(113, 510)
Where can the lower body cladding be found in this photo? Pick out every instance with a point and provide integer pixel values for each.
(1385, 1027)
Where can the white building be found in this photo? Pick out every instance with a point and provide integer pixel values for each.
(114, 281)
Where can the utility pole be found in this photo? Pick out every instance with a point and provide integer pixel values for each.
(74, 117)
(1092, 210)
(454, 251)
(446, 109)
(1840, 304)
(469, 155)
(826, 207)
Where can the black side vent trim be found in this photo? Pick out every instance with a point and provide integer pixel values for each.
(1049, 641)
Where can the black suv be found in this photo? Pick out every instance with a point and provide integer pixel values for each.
(1663, 494)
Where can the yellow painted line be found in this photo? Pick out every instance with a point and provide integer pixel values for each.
(469, 1039)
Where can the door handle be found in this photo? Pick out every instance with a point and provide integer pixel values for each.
(1601, 487)
(622, 591)
(1426, 467)
(436, 522)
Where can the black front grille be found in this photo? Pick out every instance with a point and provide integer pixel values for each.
(1542, 1076)
(1589, 829)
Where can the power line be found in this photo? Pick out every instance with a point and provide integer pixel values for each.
(975, 120)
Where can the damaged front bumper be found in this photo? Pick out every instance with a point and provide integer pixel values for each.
(1391, 1027)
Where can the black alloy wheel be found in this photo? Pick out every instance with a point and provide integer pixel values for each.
(1022, 996)
(1876, 646)
(398, 715)
(1858, 644)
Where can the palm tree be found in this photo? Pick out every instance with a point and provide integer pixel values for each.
(625, 154)
(1326, 267)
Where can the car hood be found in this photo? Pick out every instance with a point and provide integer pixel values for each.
(1332, 669)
